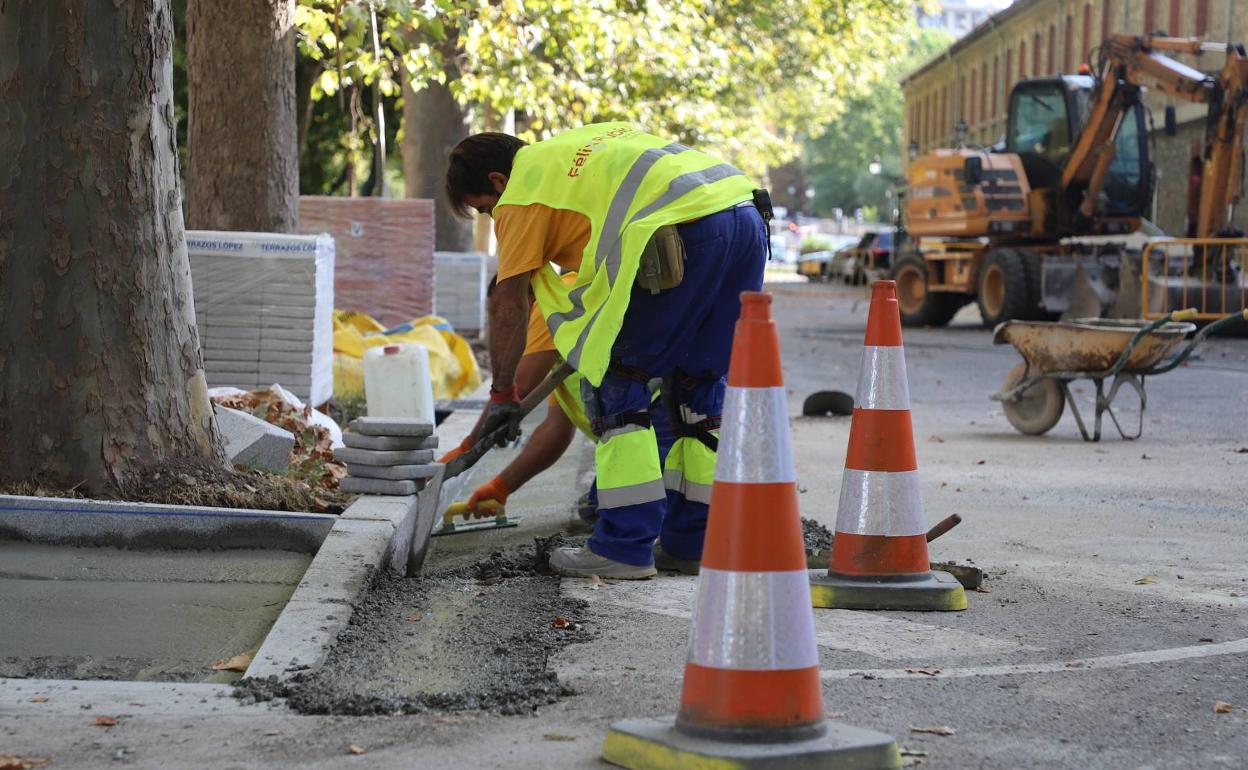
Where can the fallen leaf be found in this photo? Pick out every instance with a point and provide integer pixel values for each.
(934, 730)
(1145, 581)
(105, 722)
(560, 623)
(595, 582)
(982, 590)
(1222, 707)
(414, 617)
(239, 662)
(912, 752)
(935, 439)
(1075, 664)
(1145, 456)
(357, 750)
(911, 761)
(40, 699)
(557, 737)
(928, 671)
(273, 732)
(1243, 450)
(980, 462)
(11, 762)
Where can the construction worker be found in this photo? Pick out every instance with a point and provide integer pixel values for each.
(664, 240)
(565, 414)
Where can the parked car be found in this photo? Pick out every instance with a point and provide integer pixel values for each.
(814, 265)
(865, 261)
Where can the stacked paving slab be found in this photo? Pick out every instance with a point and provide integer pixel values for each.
(387, 456)
(264, 309)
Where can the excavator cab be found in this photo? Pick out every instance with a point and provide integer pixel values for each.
(1045, 120)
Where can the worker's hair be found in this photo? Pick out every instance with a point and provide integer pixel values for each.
(471, 163)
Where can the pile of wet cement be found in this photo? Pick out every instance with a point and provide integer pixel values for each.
(474, 638)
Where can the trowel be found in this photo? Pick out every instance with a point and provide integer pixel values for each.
(450, 480)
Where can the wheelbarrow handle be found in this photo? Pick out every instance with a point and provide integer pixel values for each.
(1199, 337)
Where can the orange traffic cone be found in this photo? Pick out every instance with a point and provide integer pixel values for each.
(751, 694)
(879, 555)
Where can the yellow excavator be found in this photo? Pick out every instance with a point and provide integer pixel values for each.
(1028, 227)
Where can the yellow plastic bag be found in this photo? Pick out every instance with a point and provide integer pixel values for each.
(452, 366)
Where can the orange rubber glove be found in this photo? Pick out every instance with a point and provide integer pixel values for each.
(464, 446)
(495, 489)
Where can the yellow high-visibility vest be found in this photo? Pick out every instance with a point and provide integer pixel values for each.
(628, 184)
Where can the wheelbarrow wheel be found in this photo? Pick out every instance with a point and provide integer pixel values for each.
(1040, 406)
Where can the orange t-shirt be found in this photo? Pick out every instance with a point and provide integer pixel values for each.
(530, 236)
(538, 339)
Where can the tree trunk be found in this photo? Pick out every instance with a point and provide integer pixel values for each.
(433, 123)
(242, 128)
(101, 376)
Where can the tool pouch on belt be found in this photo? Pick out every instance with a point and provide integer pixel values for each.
(663, 261)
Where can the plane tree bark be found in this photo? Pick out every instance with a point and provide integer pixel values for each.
(101, 375)
(242, 139)
(433, 123)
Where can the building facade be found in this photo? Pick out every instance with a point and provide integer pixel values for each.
(963, 94)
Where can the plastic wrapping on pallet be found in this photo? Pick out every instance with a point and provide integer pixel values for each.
(264, 308)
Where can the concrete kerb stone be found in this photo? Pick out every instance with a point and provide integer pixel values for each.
(322, 604)
(400, 513)
(391, 472)
(64, 521)
(388, 443)
(383, 457)
(253, 442)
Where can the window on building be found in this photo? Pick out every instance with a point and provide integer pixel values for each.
(1052, 50)
(1068, 45)
(961, 109)
(1150, 16)
(1022, 59)
(996, 81)
(944, 115)
(1035, 56)
(970, 106)
(1087, 41)
(1009, 69)
(983, 92)
(1202, 18)
(1175, 25)
(1107, 15)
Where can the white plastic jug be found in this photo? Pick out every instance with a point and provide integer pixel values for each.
(397, 383)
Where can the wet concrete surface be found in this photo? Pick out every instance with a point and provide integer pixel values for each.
(477, 638)
(109, 613)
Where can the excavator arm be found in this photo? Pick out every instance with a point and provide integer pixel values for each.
(1128, 63)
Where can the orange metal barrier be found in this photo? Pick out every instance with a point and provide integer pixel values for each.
(1209, 274)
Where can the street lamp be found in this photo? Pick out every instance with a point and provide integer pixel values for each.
(875, 167)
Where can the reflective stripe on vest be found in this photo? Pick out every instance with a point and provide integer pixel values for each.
(628, 184)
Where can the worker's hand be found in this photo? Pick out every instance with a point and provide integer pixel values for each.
(464, 446)
(504, 411)
(495, 489)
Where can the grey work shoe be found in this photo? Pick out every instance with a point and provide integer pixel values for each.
(667, 563)
(582, 562)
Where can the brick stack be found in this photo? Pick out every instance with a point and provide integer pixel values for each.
(387, 456)
(462, 278)
(384, 253)
(264, 310)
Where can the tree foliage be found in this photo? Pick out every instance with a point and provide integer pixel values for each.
(837, 161)
(746, 79)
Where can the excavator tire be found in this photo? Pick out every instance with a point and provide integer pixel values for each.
(918, 306)
(1004, 292)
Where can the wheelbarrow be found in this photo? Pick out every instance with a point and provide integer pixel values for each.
(1123, 352)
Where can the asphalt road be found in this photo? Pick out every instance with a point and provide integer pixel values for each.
(1116, 613)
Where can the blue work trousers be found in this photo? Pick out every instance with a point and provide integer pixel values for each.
(687, 329)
